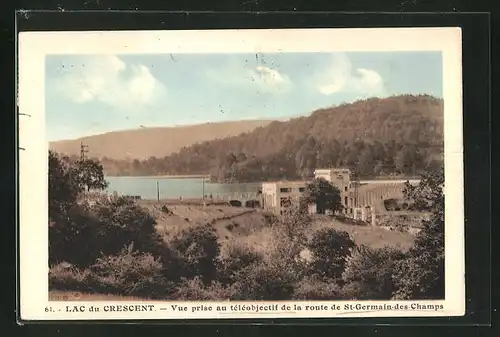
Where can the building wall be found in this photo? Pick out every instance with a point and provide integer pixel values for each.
(275, 193)
(337, 176)
(340, 178)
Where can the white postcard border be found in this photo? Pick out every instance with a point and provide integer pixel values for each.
(33, 165)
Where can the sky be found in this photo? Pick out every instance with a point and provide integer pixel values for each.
(93, 94)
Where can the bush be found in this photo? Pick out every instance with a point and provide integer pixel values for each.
(64, 276)
(95, 227)
(422, 274)
(315, 289)
(198, 248)
(131, 273)
(330, 249)
(195, 290)
(420, 277)
(265, 281)
(369, 273)
(234, 259)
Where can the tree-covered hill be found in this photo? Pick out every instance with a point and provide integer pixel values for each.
(395, 135)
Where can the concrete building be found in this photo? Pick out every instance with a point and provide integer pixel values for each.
(341, 178)
(363, 202)
(276, 195)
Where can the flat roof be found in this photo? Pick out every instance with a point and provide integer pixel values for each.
(332, 169)
(287, 182)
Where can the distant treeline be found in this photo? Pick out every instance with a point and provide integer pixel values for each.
(396, 135)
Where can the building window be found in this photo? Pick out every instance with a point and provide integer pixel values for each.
(302, 189)
(345, 201)
(345, 188)
(285, 190)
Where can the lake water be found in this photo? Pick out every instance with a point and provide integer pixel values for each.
(174, 187)
(171, 187)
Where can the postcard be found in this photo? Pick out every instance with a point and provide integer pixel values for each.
(241, 174)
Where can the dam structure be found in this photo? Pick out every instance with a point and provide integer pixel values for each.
(361, 200)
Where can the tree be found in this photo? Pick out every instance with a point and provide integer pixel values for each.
(90, 230)
(330, 249)
(421, 275)
(63, 188)
(90, 175)
(199, 248)
(322, 193)
(369, 272)
(326, 138)
(366, 162)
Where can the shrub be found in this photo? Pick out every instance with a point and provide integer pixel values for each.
(234, 259)
(93, 227)
(67, 277)
(195, 290)
(369, 273)
(265, 281)
(315, 289)
(422, 274)
(198, 247)
(330, 249)
(131, 273)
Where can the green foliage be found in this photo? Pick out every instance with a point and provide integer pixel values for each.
(313, 288)
(265, 281)
(322, 193)
(89, 232)
(198, 247)
(131, 273)
(91, 229)
(421, 275)
(234, 259)
(428, 194)
(401, 135)
(90, 175)
(274, 276)
(330, 249)
(64, 276)
(368, 274)
(196, 290)
(63, 188)
(127, 273)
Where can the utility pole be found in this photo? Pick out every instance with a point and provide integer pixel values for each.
(203, 190)
(84, 149)
(158, 191)
(356, 185)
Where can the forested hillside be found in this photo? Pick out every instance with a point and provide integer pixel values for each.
(145, 142)
(396, 135)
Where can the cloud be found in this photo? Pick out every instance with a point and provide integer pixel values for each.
(340, 77)
(264, 79)
(109, 80)
(270, 80)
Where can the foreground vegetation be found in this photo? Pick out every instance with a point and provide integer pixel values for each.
(112, 245)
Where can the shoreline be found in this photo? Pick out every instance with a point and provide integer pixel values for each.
(180, 176)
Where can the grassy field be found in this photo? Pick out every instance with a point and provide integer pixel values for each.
(252, 225)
